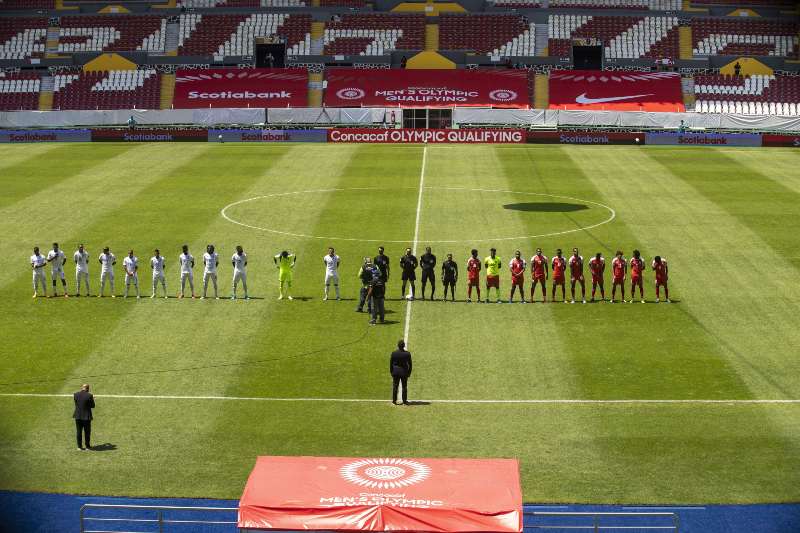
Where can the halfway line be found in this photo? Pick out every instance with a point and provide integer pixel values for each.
(416, 234)
(375, 400)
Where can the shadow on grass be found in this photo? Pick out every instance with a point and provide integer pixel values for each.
(105, 447)
(546, 207)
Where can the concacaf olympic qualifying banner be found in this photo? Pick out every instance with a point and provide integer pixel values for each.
(616, 91)
(349, 87)
(241, 87)
(401, 136)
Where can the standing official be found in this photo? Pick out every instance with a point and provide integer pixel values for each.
(81, 258)
(365, 275)
(408, 264)
(377, 297)
(449, 277)
(400, 369)
(381, 261)
(84, 403)
(428, 264)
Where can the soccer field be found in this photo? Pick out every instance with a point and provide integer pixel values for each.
(635, 403)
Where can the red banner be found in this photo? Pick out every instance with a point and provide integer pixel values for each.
(239, 87)
(401, 136)
(427, 88)
(351, 494)
(781, 140)
(616, 91)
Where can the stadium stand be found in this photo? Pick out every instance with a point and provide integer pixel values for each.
(374, 34)
(21, 38)
(240, 3)
(112, 33)
(19, 90)
(764, 3)
(24, 5)
(753, 95)
(483, 33)
(727, 36)
(623, 37)
(115, 89)
(234, 34)
(653, 5)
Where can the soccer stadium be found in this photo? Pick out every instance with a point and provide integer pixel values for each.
(435, 266)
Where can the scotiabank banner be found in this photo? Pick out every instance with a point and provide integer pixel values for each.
(703, 139)
(616, 91)
(150, 135)
(267, 136)
(241, 87)
(781, 140)
(468, 136)
(584, 137)
(426, 88)
(44, 136)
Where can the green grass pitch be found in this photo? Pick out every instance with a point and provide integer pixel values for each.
(727, 220)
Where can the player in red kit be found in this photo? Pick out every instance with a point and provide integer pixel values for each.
(473, 275)
(559, 265)
(662, 274)
(517, 267)
(597, 265)
(637, 275)
(576, 275)
(619, 266)
(539, 271)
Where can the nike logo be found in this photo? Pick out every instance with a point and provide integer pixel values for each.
(582, 99)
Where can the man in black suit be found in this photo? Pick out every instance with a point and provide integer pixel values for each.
(400, 368)
(84, 403)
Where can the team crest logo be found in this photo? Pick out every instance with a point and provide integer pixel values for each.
(503, 95)
(385, 473)
(350, 93)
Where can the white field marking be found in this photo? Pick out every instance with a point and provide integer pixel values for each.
(224, 214)
(374, 400)
(416, 234)
(666, 508)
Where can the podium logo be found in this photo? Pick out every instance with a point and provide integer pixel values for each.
(350, 93)
(385, 473)
(503, 95)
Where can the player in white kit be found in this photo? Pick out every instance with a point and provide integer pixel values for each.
(81, 258)
(210, 264)
(131, 266)
(57, 259)
(331, 272)
(157, 266)
(239, 262)
(186, 261)
(107, 262)
(37, 264)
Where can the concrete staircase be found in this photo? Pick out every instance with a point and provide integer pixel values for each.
(46, 86)
(541, 91)
(167, 90)
(315, 89)
(171, 38)
(685, 42)
(432, 37)
(317, 42)
(540, 40)
(687, 87)
(51, 47)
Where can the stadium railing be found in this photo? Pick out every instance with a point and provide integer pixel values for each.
(108, 518)
(600, 521)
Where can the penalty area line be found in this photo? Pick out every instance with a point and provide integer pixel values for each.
(554, 401)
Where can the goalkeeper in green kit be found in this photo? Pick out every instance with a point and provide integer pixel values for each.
(285, 262)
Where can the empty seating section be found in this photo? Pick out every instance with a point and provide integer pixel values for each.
(654, 5)
(479, 33)
(240, 3)
(234, 34)
(26, 5)
(374, 34)
(19, 91)
(112, 33)
(767, 3)
(753, 95)
(22, 37)
(116, 89)
(523, 44)
(356, 4)
(622, 37)
(733, 36)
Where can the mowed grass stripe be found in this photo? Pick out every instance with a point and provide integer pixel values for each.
(305, 362)
(473, 350)
(61, 212)
(616, 351)
(703, 244)
(781, 166)
(15, 154)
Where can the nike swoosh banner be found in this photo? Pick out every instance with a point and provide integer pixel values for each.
(241, 87)
(615, 90)
(427, 88)
(382, 494)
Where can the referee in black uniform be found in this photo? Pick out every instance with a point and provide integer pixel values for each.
(408, 264)
(428, 264)
(400, 369)
(449, 277)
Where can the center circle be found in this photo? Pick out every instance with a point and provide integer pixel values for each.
(385, 473)
(345, 214)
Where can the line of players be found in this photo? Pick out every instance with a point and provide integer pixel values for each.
(57, 260)
(541, 269)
